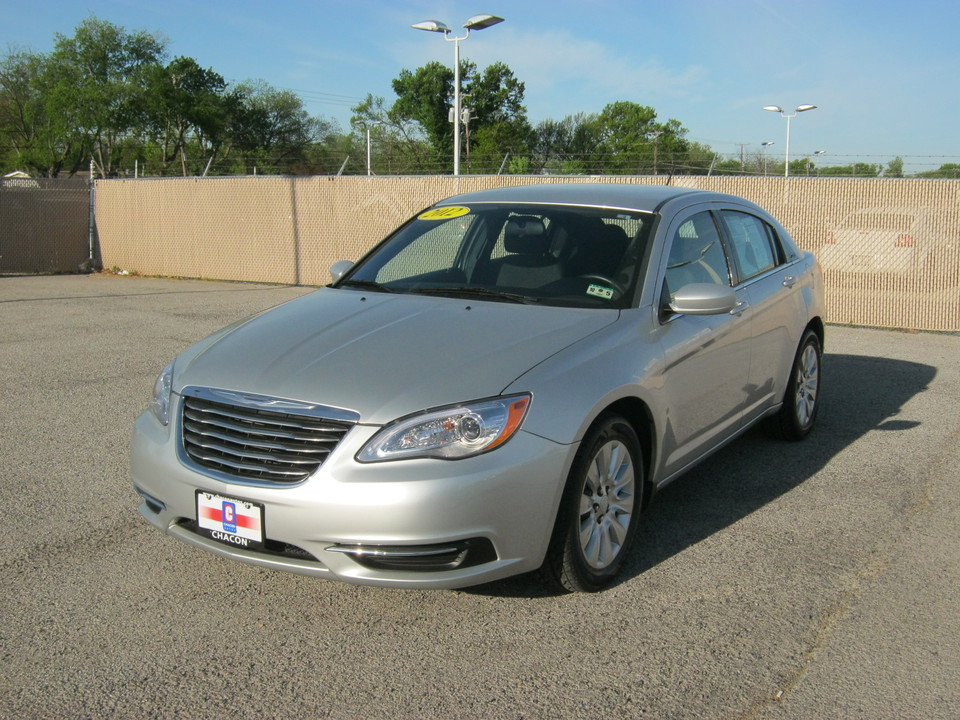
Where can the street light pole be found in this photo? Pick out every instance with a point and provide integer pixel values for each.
(799, 109)
(763, 145)
(477, 22)
(368, 152)
(375, 122)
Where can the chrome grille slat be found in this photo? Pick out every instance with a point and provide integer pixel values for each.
(273, 458)
(217, 460)
(200, 429)
(247, 443)
(261, 417)
(298, 434)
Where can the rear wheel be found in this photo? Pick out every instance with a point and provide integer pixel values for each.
(801, 401)
(599, 511)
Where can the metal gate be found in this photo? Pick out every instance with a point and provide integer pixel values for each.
(44, 225)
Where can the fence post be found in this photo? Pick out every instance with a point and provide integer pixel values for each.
(92, 223)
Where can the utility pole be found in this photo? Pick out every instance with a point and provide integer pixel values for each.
(741, 146)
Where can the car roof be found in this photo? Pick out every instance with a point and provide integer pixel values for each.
(647, 198)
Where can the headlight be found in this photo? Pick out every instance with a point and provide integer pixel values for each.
(160, 405)
(449, 433)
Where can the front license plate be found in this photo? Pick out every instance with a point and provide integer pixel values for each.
(229, 520)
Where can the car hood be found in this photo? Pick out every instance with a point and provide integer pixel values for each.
(384, 356)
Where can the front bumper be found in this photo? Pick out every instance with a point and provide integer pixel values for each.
(411, 523)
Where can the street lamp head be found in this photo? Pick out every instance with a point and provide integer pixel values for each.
(771, 108)
(768, 143)
(431, 26)
(481, 22)
(804, 108)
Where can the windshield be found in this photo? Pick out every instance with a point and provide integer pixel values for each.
(551, 255)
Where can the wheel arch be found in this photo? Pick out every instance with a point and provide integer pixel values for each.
(817, 325)
(636, 412)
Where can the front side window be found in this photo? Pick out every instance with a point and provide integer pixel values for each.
(553, 255)
(696, 255)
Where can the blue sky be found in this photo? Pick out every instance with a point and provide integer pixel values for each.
(883, 73)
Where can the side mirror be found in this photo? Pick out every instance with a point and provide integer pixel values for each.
(704, 299)
(339, 269)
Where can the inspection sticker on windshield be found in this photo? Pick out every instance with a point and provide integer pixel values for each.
(600, 291)
(229, 520)
(444, 213)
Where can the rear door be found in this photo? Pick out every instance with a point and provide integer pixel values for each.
(770, 281)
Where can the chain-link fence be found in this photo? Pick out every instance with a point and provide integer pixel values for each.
(44, 225)
(890, 248)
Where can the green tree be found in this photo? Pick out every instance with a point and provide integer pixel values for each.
(497, 122)
(498, 118)
(94, 87)
(422, 97)
(855, 170)
(270, 129)
(633, 142)
(894, 168)
(186, 113)
(24, 142)
(949, 170)
(697, 159)
(568, 146)
(398, 143)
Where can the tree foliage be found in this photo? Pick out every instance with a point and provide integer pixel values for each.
(94, 86)
(493, 122)
(947, 170)
(185, 113)
(109, 97)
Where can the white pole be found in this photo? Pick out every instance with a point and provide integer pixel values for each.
(456, 105)
(786, 170)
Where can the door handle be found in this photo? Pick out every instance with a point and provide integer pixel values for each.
(739, 308)
(789, 281)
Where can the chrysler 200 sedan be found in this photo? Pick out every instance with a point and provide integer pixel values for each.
(498, 387)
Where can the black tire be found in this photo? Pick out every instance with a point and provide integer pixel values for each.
(801, 401)
(599, 511)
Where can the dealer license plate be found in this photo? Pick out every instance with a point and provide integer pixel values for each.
(231, 521)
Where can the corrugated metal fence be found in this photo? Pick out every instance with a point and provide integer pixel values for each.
(890, 248)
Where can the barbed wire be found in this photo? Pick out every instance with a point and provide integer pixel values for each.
(135, 160)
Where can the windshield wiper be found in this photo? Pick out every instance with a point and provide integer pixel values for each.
(475, 292)
(367, 285)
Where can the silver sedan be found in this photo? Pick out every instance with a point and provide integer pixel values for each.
(498, 387)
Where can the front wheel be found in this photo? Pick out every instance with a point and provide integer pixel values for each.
(598, 514)
(801, 401)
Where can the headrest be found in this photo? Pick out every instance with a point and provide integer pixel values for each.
(525, 235)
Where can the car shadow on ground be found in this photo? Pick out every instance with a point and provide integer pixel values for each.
(860, 394)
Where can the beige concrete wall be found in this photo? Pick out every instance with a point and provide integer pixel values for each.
(291, 229)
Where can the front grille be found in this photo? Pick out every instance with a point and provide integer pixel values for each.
(252, 444)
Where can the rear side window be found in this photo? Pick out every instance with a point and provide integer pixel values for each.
(755, 246)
